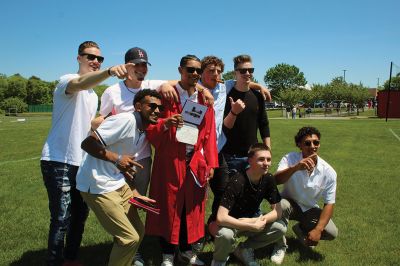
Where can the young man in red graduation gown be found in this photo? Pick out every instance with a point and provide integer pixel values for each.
(181, 171)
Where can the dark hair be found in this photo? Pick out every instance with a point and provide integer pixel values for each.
(243, 58)
(145, 92)
(305, 131)
(87, 44)
(187, 58)
(257, 147)
(212, 60)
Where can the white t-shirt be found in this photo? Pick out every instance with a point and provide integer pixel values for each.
(118, 99)
(307, 190)
(71, 117)
(120, 134)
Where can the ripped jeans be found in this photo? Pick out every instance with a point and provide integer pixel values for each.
(68, 211)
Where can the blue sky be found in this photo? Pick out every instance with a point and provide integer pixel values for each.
(322, 38)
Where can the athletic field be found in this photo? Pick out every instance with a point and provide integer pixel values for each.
(364, 152)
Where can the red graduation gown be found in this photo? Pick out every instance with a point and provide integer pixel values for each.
(170, 186)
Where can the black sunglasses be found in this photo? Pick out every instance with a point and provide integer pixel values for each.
(244, 70)
(91, 57)
(191, 70)
(154, 106)
(308, 143)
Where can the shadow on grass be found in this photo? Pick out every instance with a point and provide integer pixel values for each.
(306, 254)
(151, 253)
(88, 255)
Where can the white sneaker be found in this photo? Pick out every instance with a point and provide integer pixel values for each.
(218, 263)
(192, 257)
(278, 254)
(246, 256)
(168, 260)
(138, 260)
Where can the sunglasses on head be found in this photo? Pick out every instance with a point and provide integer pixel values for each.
(308, 143)
(154, 106)
(191, 70)
(244, 70)
(92, 57)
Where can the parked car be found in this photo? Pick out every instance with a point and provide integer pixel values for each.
(272, 105)
(319, 104)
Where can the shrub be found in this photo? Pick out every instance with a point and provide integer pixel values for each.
(14, 102)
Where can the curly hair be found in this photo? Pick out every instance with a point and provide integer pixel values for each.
(305, 131)
(145, 92)
(212, 60)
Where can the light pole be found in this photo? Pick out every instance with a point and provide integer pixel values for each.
(344, 75)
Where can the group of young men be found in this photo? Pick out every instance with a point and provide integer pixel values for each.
(103, 162)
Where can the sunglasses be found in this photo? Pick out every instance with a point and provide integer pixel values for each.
(154, 106)
(191, 70)
(92, 57)
(308, 143)
(244, 70)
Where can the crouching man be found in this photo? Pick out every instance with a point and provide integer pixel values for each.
(111, 150)
(243, 195)
(307, 178)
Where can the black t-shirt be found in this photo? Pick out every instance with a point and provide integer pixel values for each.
(242, 199)
(251, 120)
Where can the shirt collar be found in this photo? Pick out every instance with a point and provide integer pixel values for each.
(139, 122)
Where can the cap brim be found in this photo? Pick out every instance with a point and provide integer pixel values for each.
(137, 61)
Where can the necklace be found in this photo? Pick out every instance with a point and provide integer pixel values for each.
(251, 184)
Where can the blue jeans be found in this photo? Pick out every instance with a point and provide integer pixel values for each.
(68, 211)
(235, 163)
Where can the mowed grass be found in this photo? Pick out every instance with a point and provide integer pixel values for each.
(364, 153)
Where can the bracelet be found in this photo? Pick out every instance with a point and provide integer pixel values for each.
(118, 160)
(233, 113)
(109, 72)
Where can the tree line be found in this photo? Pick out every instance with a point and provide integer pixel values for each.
(289, 87)
(19, 92)
(287, 84)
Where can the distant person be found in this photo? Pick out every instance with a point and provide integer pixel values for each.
(235, 218)
(307, 178)
(294, 111)
(288, 111)
(74, 106)
(108, 162)
(181, 171)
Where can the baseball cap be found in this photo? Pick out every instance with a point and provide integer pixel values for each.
(136, 55)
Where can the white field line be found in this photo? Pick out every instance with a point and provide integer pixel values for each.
(17, 161)
(394, 134)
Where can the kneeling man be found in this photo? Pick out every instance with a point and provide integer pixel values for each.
(243, 195)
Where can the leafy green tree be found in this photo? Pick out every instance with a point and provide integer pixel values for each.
(14, 102)
(290, 97)
(38, 91)
(3, 86)
(229, 75)
(395, 84)
(16, 87)
(284, 76)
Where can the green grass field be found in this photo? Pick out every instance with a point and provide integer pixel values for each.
(364, 152)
